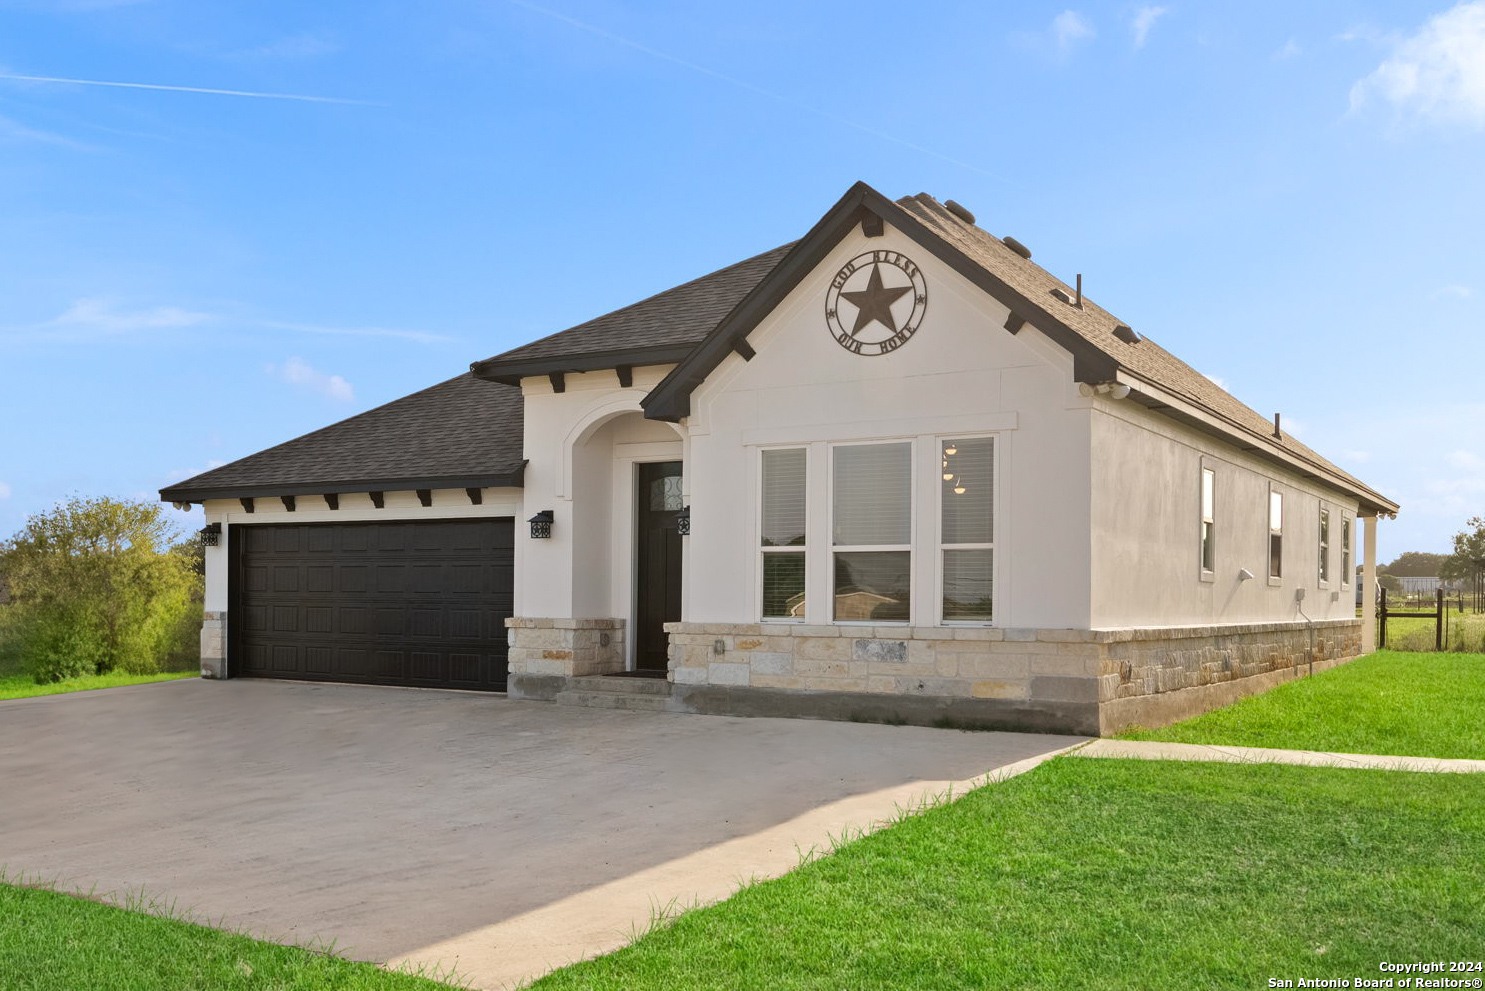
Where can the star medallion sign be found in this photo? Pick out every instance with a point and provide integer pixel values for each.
(862, 283)
(875, 302)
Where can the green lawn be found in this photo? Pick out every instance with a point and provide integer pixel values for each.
(1419, 705)
(1113, 874)
(50, 941)
(21, 686)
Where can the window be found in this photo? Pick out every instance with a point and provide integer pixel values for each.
(784, 476)
(1345, 552)
(1208, 521)
(1275, 535)
(967, 498)
(871, 503)
(1324, 546)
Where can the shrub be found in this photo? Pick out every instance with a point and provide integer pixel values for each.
(97, 588)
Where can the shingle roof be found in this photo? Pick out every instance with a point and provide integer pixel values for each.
(1093, 323)
(674, 319)
(468, 431)
(463, 433)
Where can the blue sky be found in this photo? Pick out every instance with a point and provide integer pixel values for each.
(1288, 196)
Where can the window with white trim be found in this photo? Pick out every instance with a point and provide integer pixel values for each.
(1275, 534)
(871, 531)
(1345, 551)
(1324, 574)
(1208, 522)
(967, 538)
(784, 474)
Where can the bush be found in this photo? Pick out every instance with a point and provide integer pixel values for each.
(95, 587)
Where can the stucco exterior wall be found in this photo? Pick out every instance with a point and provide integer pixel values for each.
(582, 446)
(1146, 513)
(960, 375)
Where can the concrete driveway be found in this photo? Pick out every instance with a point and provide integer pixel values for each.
(458, 828)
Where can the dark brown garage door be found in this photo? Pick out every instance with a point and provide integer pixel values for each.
(402, 603)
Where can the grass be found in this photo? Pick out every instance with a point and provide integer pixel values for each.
(1100, 874)
(1418, 705)
(50, 940)
(21, 686)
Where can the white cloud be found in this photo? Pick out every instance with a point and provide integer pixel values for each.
(1457, 291)
(102, 316)
(1218, 381)
(1069, 28)
(299, 46)
(1289, 50)
(1144, 20)
(1465, 461)
(1437, 74)
(99, 317)
(15, 131)
(297, 372)
(4, 491)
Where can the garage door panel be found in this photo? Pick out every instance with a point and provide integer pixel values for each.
(432, 614)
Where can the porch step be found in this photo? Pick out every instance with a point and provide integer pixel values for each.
(616, 700)
(619, 686)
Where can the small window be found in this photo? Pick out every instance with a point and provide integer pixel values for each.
(1208, 520)
(1275, 534)
(1345, 551)
(871, 509)
(784, 477)
(1324, 546)
(967, 502)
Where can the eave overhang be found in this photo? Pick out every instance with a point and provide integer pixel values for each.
(512, 479)
(1244, 438)
(511, 372)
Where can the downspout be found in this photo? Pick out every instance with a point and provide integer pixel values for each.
(1299, 596)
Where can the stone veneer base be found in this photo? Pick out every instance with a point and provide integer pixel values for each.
(1095, 682)
(214, 645)
(544, 653)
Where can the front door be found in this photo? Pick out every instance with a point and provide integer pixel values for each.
(658, 548)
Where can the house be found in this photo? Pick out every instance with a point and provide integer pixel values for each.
(892, 470)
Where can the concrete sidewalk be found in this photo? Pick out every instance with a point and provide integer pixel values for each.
(1156, 750)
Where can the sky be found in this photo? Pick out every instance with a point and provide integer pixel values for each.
(223, 225)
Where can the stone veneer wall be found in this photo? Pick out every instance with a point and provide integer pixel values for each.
(544, 653)
(214, 645)
(1082, 681)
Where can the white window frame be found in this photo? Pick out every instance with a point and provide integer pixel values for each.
(832, 548)
(938, 596)
(1268, 520)
(1348, 563)
(1204, 521)
(809, 536)
(1323, 520)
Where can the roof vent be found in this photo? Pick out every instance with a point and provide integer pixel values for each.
(1062, 294)
(958, 210)
(1126, 334)
(1017, 246)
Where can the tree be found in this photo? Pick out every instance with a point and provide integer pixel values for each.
(1416, 564)
(1467, 563)
(98, 588)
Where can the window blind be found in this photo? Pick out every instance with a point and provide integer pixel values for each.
(783, 498)
(968, 490)
(873, 494)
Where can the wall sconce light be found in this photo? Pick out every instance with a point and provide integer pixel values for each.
(211, 534)
(541, 524)
(683, 521)
(1244, 575)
